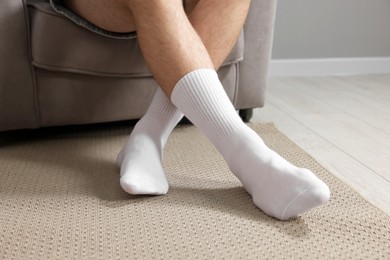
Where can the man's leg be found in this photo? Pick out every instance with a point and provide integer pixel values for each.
(180, 63)
(147, 177)
(218, 24)
(142, 172)
(182, 66)
(169, 43)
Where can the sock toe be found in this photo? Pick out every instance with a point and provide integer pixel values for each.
(143, 186)
(316, 195)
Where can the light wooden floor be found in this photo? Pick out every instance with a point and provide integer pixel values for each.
(343, 122)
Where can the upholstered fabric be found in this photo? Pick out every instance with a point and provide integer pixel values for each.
(54, 72)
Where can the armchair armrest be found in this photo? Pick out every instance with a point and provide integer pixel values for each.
(253, 74)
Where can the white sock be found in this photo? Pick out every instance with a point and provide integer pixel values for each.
(140, 159)
(279, 188)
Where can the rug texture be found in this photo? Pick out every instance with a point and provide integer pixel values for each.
(60, 199)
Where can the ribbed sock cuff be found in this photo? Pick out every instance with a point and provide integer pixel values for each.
(201, 97)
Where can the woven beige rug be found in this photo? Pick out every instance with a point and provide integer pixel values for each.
(60, 199)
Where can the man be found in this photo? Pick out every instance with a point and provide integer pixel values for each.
(183, 47)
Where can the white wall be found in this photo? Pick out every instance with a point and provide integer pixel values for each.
(307, 29)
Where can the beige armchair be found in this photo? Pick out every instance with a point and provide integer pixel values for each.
(53, 72)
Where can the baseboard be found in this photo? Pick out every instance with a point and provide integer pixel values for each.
(333, 66)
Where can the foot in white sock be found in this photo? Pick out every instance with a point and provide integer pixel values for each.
(279, 188)
(140, 159)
